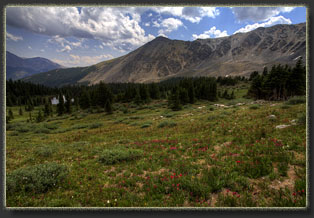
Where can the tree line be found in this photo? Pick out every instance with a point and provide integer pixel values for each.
(280, 83)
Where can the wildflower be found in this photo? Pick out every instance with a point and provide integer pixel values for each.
(294, 194)
(181, 175)
(178, 185)
(108, 202)
(238, 161)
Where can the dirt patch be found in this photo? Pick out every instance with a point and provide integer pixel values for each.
(287, 182)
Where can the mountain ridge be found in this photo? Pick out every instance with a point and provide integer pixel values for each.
(19, 67)
(163, 58)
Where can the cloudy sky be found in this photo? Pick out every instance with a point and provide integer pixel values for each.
(82, 36)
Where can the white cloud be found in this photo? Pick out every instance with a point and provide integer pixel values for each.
(66, 48)
(29, 47)
(258, 13)
(212, 33)
(118, 26)
(170, 24)
(13, 37)
(76, 60)
(270, 22)
(192, 14)
(42, 50)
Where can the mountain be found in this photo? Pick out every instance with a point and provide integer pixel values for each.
(17, 67)
(162, 58)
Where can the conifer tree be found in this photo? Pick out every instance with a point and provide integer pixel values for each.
(108, 107)
(39, 117)
(85, 100)
(137, 99)
(60, 106)
(20, 112)
(174, 100)
(46, 110)
(11, 116)
(68, 108)
(191, 93)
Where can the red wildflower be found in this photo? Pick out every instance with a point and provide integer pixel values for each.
(238, 161)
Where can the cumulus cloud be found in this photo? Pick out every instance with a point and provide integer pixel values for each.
(13, 37)
(118, 26)
(170, 24)
(211, 33)
(270, 22)
(66, 48)
(192, 14)
(76, 60)
(257, 14)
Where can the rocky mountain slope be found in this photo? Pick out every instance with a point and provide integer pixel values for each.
(162, 58)
(17, 67)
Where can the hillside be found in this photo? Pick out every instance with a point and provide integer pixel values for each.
(162, 58)
(17, 67)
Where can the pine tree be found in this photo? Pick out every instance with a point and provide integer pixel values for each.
(21, 112)
(68, 108)
(39, 117)
(60, 106)
(183, 96)
(46, 110)
(85, 100)
(174, 100)
(137, 99)
(191, 93)
(11, 116)
(108, 107)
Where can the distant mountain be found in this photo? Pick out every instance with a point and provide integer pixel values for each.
(162, 58)
(18, 68)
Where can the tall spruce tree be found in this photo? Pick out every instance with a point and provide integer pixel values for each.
(60, 106)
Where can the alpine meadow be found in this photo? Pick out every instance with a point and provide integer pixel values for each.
(156, 107)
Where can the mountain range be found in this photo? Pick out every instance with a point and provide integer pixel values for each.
(18, 68)
(162, 58)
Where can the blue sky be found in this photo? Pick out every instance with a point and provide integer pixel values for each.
(73, 36)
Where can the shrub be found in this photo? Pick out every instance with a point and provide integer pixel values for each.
(23, 128)
(296, 100)
(41, 129)
(283, 168)
(51, 126)
(38, 178)
(166, 124)
(79, 146)
(258, 167)
(95, 125)
(302, 119)
(254, 106)
(44, 151)
(113, 156)
(285, 106)
(145, 125)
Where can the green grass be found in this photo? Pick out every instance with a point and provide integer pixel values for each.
(154, 157)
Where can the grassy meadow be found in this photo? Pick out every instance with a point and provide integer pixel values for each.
(151, 156)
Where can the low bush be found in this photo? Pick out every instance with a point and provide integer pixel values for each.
(296, 100)
(146, 125)
(44, 151)
(254, 106)
(167, 124)
(113, 156)
(39, 178)
(95, 125)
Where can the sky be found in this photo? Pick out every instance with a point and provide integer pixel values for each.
(83, 36)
